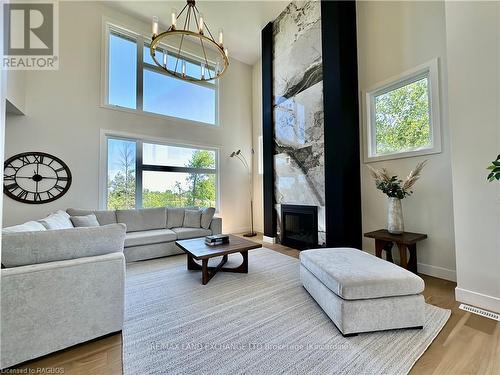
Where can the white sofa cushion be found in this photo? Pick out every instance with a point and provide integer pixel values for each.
(206, 217)
(186, 233)
(29, 226)
(353, 274)
(175, 217)
(20, 249)
(192, 219)
(142, 219)
(104, 217)
(57, 220)
(149, 237)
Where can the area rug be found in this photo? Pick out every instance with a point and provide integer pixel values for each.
(263, 322)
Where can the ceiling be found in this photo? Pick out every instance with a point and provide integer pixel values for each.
(242, 21)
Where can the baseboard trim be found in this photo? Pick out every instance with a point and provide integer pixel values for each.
(236, 230)
(271, 240)
(477, 299)
(435, 271)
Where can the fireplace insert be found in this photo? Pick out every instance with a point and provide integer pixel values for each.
(299, 226)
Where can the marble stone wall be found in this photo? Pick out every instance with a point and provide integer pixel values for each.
(298, 110)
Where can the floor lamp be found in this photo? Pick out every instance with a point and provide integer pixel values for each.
(240, 157)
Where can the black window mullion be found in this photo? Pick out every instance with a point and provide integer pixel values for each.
(138, 174)
(140, 74)
(164, 168)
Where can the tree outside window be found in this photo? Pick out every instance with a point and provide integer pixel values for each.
(160, 188)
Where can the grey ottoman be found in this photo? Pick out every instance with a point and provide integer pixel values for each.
(360, 292)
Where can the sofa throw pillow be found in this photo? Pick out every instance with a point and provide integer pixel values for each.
(57, 220)
(206, 217)
(84, 221)
(29, 226)
(192, 219)
(175, 217)
(104, 217)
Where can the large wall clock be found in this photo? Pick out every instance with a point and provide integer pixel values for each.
(35, 178)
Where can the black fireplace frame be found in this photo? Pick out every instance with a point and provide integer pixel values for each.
(299, 209)
(341, 126)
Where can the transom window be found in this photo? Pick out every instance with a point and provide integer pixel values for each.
(134, 82)
(402, 116)
(148, 174)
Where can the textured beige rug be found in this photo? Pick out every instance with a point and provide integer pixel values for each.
(263, 322)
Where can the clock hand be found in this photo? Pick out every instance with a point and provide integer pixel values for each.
(43, 178)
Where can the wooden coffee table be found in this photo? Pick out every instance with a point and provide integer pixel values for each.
(196, 249)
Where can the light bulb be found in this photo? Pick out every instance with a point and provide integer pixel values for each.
(165, 56)
(221, 37)
(217, 68)
(155, 26)
(202, 70)
(174, 18)
(183, 69)
(200, 23)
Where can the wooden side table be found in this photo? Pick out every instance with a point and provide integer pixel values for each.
(406, 240)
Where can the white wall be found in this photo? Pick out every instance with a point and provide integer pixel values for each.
(16, 90)
(392, 38)
(473, 41)
(258, 212)
(3, 92)
(64, 118)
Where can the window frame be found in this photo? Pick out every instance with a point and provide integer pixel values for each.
(427, 70)
(110, 27)
(140, 167)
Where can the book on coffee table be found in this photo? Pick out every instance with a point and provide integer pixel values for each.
(217, 239)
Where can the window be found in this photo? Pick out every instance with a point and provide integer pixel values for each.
(403, 116)
(122, 69)
(134, 82)
(146, 174)
(121, 176)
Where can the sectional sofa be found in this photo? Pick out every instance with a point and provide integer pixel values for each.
(63, 277)
(152, 232)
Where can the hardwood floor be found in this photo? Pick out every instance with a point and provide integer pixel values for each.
(468, 344)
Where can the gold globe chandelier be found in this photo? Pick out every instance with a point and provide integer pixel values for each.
(189, 53)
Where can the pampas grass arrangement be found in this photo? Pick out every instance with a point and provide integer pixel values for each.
(394, 187)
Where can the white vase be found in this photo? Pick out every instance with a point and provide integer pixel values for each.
(395, 223)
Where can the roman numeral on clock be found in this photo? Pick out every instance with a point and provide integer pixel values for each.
(12, 167)
(12, 187)
(22, 194)
(25, 160)
(39, 159)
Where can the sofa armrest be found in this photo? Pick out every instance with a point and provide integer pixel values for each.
(24, 248)
(216, 225)
(51, 306)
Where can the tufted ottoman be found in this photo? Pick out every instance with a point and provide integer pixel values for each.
(360, 292)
